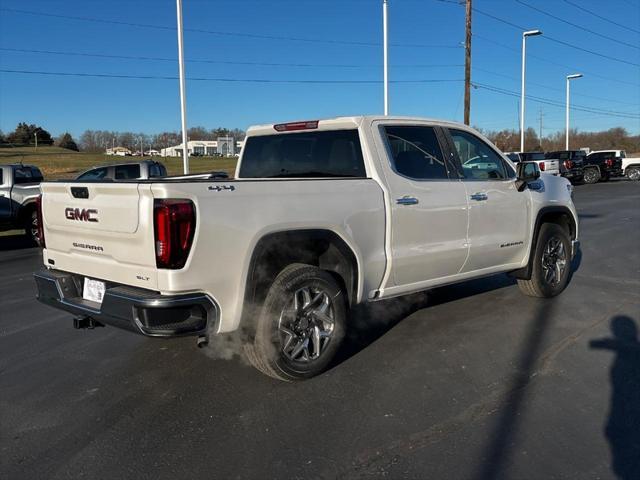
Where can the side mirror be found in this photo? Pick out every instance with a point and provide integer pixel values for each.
(527, 172)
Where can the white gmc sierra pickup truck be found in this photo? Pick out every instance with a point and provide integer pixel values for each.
(322, 215)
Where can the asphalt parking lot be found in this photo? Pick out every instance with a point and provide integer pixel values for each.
(474, 381)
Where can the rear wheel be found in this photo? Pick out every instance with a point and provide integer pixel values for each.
(633, 173)
(591, 175)
(301, 326)
(551, 263)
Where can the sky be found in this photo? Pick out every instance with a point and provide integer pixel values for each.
(259, 61)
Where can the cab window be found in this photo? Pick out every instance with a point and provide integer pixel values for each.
(416, 153)
(128, 172)
(479, 161)
(95, 174)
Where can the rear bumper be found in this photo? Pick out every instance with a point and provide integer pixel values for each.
(574, 174)
(135, 309)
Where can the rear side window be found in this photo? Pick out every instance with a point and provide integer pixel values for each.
(315, 154)
(416, 153)
(128, 172)
(26, 175)
(479, 161)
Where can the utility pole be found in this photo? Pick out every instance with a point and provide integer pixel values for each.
(385, 53)
(540, 132)
(35, 134)
(467, 66)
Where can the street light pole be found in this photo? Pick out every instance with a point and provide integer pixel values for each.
(569, 78)
(385, 54)
(529, 33)
(183, 95)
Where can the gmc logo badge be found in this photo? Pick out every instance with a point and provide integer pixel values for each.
(82, 215)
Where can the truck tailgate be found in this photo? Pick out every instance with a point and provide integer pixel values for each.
(100, 230)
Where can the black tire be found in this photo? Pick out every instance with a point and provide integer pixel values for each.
(633, 173)
(591, 176)
(287, 319)
(540, 284)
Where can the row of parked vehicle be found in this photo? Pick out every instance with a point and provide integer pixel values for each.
(578, 166)
(20, 187)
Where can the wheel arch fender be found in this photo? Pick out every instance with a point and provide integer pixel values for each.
(272, 251)
(558, 214)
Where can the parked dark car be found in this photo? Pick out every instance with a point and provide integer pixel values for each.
(601, 166)
(126, 171)
(571, 163)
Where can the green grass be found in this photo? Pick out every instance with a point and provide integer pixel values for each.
(58, 163)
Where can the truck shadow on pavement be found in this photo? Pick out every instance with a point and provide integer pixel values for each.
(622, 429)
(370, 321)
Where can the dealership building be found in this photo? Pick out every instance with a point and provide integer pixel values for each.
(224, 146)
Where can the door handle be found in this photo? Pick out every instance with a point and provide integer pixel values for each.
(406, 200)
(479, 197)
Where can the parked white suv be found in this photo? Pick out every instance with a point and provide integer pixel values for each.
(322, 215)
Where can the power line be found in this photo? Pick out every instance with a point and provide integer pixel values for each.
(223, 33)
(222, 79)
(511, 77)
(621, 25)
(224, 62)
(543, 59)
(333, 81)
(554, 103)
(552, 39)
(575, 25)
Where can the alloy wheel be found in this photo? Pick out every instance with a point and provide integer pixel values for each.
(306, 325)
(554, 261)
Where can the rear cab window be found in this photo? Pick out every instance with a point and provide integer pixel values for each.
(127, 172)
(157, 170)
(316, 154)
(95, 174)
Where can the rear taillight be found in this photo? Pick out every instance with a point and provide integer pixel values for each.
(174, 226)
(568, 164)
(609, 162)
(40, 226)
(542, 167)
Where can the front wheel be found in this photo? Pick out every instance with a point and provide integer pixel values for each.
(301, 326)
(591, 176)
(551, 263)
(633, 173)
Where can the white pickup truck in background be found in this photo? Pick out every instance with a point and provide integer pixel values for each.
(322, 215)
(549, 166)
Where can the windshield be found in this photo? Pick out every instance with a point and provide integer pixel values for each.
(309, 154)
